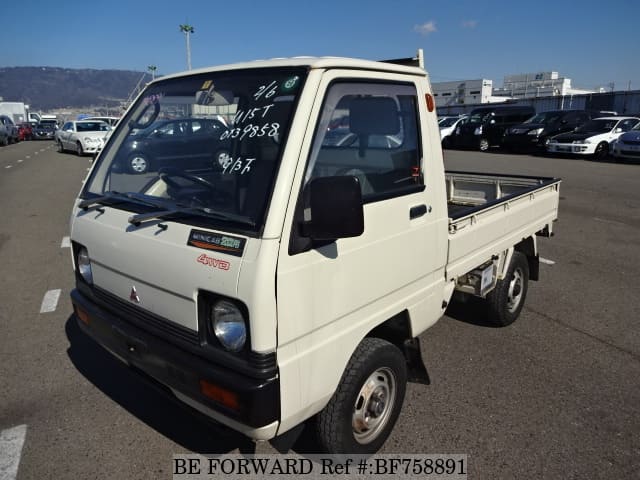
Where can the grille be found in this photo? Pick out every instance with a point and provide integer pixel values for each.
(143, 318)
(631, 142)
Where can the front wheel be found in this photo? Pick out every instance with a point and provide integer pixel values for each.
(483, 145)
(138, 163)
(60, 147)
(362, 412)
(79, 149)
(602, 150)
(505, 302)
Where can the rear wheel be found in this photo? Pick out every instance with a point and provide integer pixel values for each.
(362, 412)
(505, 302)
(483, 145)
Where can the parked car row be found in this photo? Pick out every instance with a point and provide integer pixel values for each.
(518, 128)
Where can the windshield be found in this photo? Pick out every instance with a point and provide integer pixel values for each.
(92, 127)
(208, 145)
(480, 116)
(598, 125)
(447, 122)
(545, 117)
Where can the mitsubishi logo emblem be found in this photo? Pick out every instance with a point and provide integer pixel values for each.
(133, 296)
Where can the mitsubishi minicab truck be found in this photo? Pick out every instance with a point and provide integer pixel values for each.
(267, 240)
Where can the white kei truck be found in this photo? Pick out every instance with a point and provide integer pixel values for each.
(267, 240)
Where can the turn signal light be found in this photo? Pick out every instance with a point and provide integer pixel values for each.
(220, 395)
(82, 315)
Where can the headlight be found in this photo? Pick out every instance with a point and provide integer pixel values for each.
(478, 130)
(581, 142)
(84, 265)
(536, 131)
(90, 140)
(229, 325)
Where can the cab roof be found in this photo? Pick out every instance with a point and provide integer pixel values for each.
(312, 63)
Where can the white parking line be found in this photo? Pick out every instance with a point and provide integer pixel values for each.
(28, 157)
(20, 161)
(8, 166)
(50, 301)
(66, 242)
(11, 442)
(546, 261)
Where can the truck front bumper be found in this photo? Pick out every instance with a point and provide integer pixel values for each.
(248, 405)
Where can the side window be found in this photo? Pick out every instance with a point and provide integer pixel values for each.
(369, 131)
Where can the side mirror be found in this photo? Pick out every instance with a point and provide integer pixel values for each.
(618, 130)
(335, 208)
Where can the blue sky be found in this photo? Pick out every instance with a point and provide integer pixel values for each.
(587, 41)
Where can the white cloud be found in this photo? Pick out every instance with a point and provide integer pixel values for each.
(469, 23)
(426, 28)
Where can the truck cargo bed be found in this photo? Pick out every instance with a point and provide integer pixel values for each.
(489, 213)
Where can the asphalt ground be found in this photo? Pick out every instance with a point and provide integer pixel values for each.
(555, 395)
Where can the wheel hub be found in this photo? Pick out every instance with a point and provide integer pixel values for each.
(373, 405)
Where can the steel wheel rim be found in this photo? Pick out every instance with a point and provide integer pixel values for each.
(516, 290)
(374, 405)
(138, 164)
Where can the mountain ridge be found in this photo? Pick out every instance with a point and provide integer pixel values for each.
(48, 88)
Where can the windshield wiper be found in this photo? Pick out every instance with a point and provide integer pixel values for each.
(189, 212)
(116, 197)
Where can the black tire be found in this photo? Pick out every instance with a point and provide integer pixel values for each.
(601, 151)
(505, 302)
(483, 145)
(79, 150)
(446, 142)
(60, 147)
(138, 163)
(358, 420)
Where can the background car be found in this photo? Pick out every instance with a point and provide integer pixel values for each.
(82, 136)
(486, 125)
(9, 130)
(628, 144)
(448, 126)
(163, 143)
(43, 131)
(535, 133)
(593, 138)
(25, 131)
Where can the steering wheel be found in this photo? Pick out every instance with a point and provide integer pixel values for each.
(166, 173)
(217, 196)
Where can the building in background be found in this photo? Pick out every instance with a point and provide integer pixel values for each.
(515, 87)
(541, 84)
(465, 92)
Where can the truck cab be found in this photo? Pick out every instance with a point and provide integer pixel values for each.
(288, 280)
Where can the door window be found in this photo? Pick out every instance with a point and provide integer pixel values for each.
(369, 131)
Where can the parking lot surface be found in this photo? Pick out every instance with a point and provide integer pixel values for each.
(555, 395)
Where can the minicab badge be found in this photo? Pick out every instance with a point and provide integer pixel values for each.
(217, 242)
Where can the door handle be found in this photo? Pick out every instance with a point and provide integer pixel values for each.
(418, 211)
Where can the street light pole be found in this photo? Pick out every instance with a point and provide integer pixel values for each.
(187, 30)
(152, 69)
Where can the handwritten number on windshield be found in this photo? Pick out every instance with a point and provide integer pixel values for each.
(239, 165)
(250, 130)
